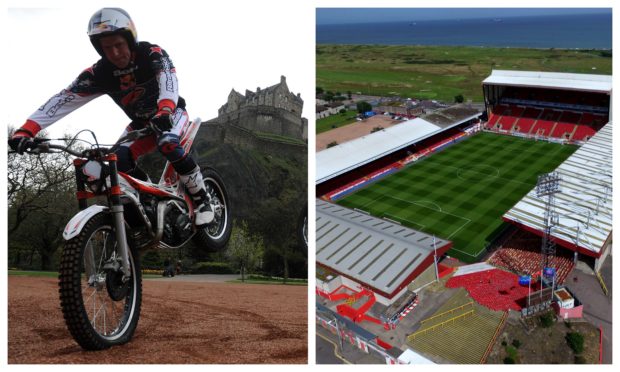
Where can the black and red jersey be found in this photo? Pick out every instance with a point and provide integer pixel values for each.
(144, 86)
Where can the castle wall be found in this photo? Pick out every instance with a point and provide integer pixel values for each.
(228, 132)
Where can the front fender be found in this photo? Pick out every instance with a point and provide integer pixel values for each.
(76, 224)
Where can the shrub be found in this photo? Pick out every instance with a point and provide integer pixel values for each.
(212, 268)
(516, 343)
(504, 343)
(332, 144)
(546, 320)
(509, 360)
(575, 341)
(579, 359)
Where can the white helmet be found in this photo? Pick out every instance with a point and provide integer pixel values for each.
(111, 21)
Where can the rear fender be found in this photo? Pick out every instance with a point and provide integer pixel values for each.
(76, 224)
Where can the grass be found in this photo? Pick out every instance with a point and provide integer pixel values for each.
(283, 139)
(47, 274)
(259, 279)
(335, 121)
(461, 193)
(439, 72)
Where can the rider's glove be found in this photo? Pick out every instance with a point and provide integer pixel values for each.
(20, 143)
(22, 138)
(162, 120)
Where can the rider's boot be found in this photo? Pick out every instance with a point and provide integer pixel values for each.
(202, 207)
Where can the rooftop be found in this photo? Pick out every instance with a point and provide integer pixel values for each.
(378, 253)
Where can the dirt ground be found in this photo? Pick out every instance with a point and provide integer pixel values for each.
(181, 322)
(353, 131)
(546, 345)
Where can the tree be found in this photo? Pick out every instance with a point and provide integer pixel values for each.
(32, 179)
(41, 201)
(244, 249)
(363, 107)
(349, 94)
(329, 96)
(459, 98)
(343, 111)
(319, 90)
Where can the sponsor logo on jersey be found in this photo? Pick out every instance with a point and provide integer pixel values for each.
(132, 97)
(127, 81)
(157, 50)
(126, 71)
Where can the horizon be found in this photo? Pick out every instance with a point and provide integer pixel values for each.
(334, 16)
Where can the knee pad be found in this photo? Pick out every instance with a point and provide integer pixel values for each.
(168, 145)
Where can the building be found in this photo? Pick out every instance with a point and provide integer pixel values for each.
(275, 110)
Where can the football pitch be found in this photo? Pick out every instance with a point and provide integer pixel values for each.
(461, 193)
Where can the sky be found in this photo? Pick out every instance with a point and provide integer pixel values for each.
(377, 15)
(214, 48)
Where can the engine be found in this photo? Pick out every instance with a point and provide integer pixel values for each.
(177, 225)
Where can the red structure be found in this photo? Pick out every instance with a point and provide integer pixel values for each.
(496, 289)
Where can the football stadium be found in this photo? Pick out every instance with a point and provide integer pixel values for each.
(495, 206)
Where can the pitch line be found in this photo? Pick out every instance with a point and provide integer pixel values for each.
(498, 177)
(423, 206)
(422, 227)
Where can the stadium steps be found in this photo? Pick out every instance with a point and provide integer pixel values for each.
(582, 132)
(464, 341)
(543, 127)
(447, 315)
(562, 128)
(524, 125)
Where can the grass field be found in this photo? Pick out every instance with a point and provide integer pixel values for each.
(439, 72)
(335, 121)
(461, 193)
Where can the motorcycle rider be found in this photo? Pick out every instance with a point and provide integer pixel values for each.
(141, 79)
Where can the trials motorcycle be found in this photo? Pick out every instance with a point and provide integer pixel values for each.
(100, 280)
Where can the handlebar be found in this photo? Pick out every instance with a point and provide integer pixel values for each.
(42, 145)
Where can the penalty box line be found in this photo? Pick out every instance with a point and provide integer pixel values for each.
(467, 220)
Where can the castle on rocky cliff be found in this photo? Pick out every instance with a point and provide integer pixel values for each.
(273, 110)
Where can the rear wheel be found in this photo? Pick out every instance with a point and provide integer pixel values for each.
(215, 235)
(100, 307)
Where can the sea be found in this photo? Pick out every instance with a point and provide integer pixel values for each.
(588, 31)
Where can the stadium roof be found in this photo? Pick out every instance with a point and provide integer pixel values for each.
(584, 204)
(347, 156)
(377, 253)
(534, 79)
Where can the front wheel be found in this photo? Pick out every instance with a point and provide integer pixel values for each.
(100, 307)
(215, 235)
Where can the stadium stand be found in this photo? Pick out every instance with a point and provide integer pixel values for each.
(563, 130)
(521, 255)
(583, 133)
(495, 289)
(543, 128)
(461, 336)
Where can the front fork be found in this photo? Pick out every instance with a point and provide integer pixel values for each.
(119, 218)
(115, 206)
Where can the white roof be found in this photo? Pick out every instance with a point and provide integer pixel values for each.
(347, 156)
(534, 79)
(584, 204)
(411, 357)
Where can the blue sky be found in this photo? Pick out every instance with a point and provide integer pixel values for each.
(375, 15)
